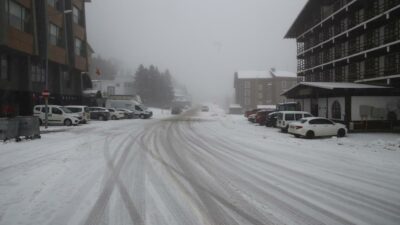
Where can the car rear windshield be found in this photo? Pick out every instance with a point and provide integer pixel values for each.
(303, 120)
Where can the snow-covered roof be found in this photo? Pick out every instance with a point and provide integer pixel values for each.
(334, 85)
(266, 107)
(235, 106)
(338, 85)
(253, 74)
(280, 73)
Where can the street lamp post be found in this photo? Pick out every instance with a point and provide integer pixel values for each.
(46, 97)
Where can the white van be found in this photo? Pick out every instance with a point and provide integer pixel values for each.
(287, 117)
(139, 110)
(81, 110)
(56, 115)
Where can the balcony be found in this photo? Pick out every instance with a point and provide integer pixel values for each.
(356, 20)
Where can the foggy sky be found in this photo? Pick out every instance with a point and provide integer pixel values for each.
(202, 42)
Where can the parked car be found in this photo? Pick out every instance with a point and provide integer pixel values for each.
(252, 118)
(250, 112)
(205, 108)
(176, 110)
(56, 115)
(116, 114)
(261, 116)
(81, 110)
(317, 127)
(286, 117)
(99, 113)
(271, 119)
(127, 113)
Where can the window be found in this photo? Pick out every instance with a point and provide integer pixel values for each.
(55, 35)
(79, 50)
(3, 67)
(77, 15)
(37, 72)
(260, 95)
(56, 111)
(247, 84)
(57, 4)
(19, 17)
(320, 122)
(289, 117)
(138, 108)
(336, 111)
(66, 78)
(247, 92)
(247, 101)
(283, 84)
(299, 116)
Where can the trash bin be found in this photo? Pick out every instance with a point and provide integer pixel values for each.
(9, 129)
(29, 127)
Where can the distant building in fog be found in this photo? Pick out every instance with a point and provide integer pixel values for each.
(121, 85)
(254, 88)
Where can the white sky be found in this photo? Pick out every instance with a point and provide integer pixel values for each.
(202, 42)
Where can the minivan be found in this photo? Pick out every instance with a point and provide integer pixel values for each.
(56, 115)
(81, 110)
(286, 117)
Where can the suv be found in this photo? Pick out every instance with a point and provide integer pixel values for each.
(56, 115)
(116, 114)
(81, 110)
(286, 117)
(99, 113)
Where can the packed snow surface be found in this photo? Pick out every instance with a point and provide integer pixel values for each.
(198, 168)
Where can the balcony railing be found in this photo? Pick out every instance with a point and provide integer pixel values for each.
(353, 21)
(354, 47)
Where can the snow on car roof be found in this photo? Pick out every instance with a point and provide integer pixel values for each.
(266, 107)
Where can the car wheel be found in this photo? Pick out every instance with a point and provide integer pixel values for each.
(310, 134)
(141, 116)
(67, 122)
(296, 135)
(341, 133)
(113, 117)
(100, 118)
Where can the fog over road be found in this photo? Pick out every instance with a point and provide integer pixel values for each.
(196, 168)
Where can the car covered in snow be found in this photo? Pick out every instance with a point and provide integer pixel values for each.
(286, 117)
(317, 127)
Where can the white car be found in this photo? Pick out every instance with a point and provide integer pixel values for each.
(82, 110)
(285, 118)
(116, 114)
(317, 127)
(56, 115)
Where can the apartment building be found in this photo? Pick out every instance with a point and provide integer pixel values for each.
(348, 53)
(254, 88)
(38, 36)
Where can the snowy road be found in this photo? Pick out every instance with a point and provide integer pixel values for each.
(198, 168)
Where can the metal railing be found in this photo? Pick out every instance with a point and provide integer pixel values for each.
(349, 23)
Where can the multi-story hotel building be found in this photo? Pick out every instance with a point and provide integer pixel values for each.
(40, 34)
(349, 41)
(260, 88)
(348, 54)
